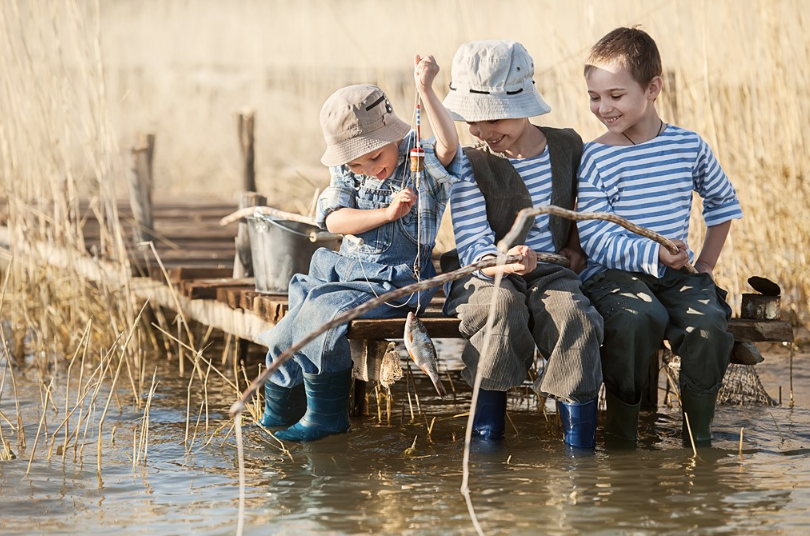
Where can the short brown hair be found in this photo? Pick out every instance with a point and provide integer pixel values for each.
(632, 48)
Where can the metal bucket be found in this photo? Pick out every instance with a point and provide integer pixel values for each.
(281, 248)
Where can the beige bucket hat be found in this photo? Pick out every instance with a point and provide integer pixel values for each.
(493, 80)
(357, 120)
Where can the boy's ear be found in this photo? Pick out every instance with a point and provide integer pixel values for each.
(654, 87)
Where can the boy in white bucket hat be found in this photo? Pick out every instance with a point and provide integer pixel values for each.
(539, 305)
(372, 195)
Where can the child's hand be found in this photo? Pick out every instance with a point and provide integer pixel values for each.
(576, 257)
(676, 261)
(424, 72)
(526, 265)
(400, 204)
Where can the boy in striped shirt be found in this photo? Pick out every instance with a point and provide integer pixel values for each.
(645, 171)
(538, 305)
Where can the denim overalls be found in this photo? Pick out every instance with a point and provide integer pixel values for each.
(338, 282)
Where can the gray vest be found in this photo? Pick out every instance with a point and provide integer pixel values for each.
(506, 194)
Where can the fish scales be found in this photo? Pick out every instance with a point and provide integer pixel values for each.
(422, 351)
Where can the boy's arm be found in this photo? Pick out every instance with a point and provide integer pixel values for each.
(355, 221)
(712, 246)
(425, 70)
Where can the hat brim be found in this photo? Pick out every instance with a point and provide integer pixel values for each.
(353, 148)
(469, 107)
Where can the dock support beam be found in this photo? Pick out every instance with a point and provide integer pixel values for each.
(140, 187)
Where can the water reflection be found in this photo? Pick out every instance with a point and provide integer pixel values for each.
(368, 481)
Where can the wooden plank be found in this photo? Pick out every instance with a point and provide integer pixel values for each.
(181, 273)
(206, 289)
(233, 296)
(437, 325)
(270, 307)
(745, 329)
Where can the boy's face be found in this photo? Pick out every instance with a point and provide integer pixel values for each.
(617, 99)
(380, 163)
(500, 135)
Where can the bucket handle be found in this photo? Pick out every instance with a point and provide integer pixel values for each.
(314, 236)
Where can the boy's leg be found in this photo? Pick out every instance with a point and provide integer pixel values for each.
(634, 322)
(698, 335)
(511, 347)
(698, 329)
(568, 331)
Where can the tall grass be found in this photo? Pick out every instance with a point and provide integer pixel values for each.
(79, 342)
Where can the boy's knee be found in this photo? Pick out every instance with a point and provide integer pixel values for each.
(648, 318)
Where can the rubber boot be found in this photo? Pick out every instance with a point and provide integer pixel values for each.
(327, 407)
(490, 415)
(283, 406)
(699, 407)
(621, 418)
(579, 422)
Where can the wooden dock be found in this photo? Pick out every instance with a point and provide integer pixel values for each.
(198, 254)
(189, 266)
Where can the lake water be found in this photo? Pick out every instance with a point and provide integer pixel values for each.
(364, 482)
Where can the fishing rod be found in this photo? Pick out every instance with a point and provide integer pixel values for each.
(239, 405)
(554, 210)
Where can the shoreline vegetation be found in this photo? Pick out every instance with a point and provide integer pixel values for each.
(82, 80)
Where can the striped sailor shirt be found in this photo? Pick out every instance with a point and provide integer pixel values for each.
(474, 236)
(651, 185)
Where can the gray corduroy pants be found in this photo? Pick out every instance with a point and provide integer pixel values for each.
(546, 310)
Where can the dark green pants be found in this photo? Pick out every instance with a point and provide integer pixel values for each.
(640, 310)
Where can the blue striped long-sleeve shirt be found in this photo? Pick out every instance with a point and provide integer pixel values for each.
(649, 184)
(474, 237)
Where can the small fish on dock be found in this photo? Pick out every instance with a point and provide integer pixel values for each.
(422, 351)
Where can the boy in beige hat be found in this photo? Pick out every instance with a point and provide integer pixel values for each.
(372, 195)
(539, 305)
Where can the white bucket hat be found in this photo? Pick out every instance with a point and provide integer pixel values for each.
(493, 80)
(357, 120)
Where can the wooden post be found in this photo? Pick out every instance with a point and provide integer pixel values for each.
(359, 405)
(245, 121)
(140, 187)
(243, 262)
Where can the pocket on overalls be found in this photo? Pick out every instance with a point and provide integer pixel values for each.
(377, 240)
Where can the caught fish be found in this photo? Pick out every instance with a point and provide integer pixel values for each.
(422, 351)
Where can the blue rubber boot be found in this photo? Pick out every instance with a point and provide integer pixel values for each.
(327, 407)
(490, 415)
(283, 406)
(579, 423)
(699, 407)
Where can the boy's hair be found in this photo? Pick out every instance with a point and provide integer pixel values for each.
(633, 49)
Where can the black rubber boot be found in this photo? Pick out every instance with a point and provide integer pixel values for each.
(579, 422)
(490, 415)
(327, 407)
(621, 419)
(283, 406)
(699, 407)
